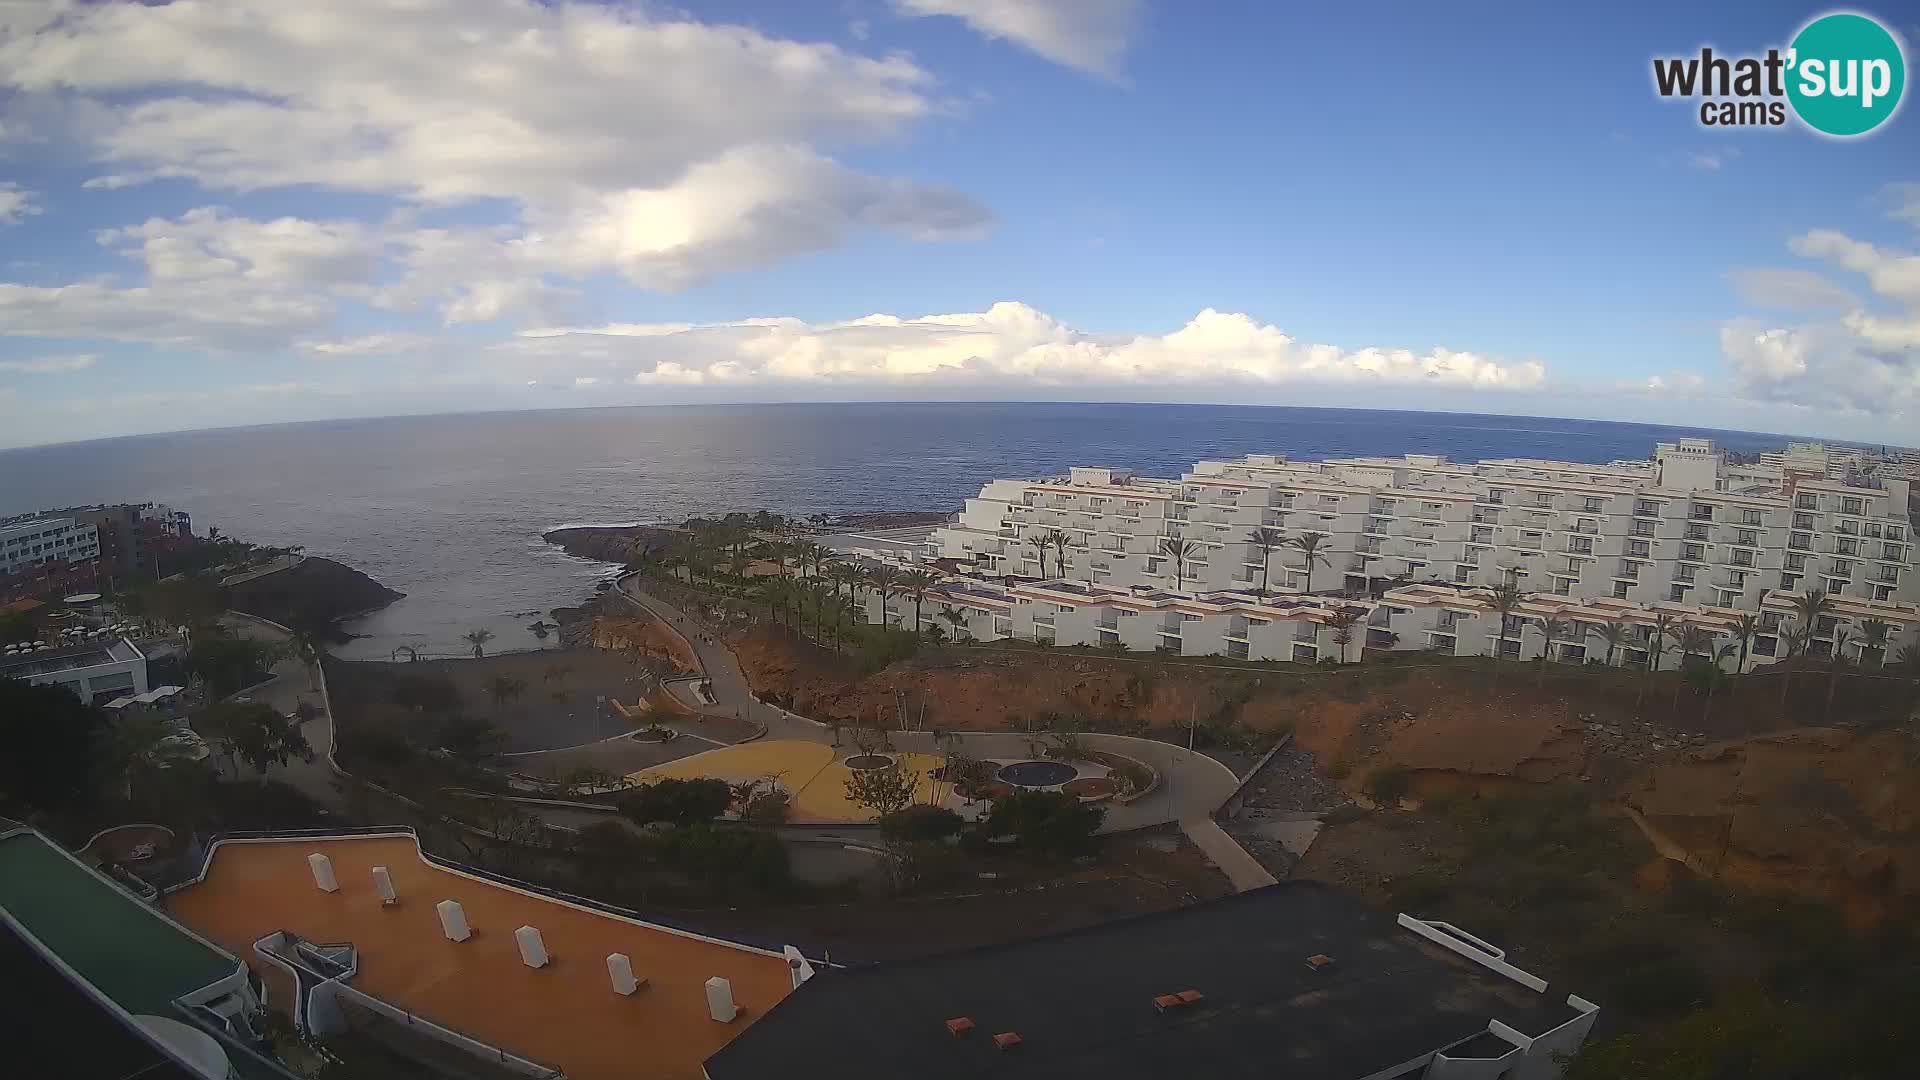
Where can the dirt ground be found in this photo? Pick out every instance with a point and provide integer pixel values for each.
(562, 702)
(1133, 878)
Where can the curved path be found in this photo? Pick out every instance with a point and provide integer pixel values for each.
(1192, 785)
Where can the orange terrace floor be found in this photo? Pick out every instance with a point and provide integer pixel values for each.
(564, 1014)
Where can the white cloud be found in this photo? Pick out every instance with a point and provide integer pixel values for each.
(621, 140)
(289, 252)
(1894, 275)
(15, 203)
(1763, 356)
(201, 314)
(1089, 35)
(387, 343)
(1775, 287)
(51, 365)
(1713, 160)
(1669, 384)
(1010, 344)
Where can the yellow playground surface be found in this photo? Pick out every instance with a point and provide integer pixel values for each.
(812, 773)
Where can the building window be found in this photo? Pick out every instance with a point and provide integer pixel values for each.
(1683, 573)
(1677, 594)
(1743, 558)
(1852, 506)
(1800, 541)
(1693, 552)
(1639, 548)
(1594, 504)
(1643, 506)
(1620, 590)
(1749, 517)
(1789, 581)
(1747, 538)
(1807, 502)
(1643, 528)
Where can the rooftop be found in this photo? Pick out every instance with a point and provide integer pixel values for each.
(93, 654)
(565, 1013)
(1083, 1002)
(62, 1031)
(133, 954)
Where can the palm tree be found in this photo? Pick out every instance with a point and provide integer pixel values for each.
(1552, 627)
(915, 583)
(478, 639)
(1179, 551)
(1266, 539)
(1907, 660)
(1842, 637)
(1343, 619)
(1614, 633)
(1744, 631)
(957, 619)
(1506, 597)
(1040, 544)
(883, 580)
(1060, 539)
(849, 575)
(1308, 544)
(1656, 646)
(1692, 641)
(1873, 639)
(506, 688)
(1808, 609)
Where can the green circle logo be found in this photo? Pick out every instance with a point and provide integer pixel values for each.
(1845, 74)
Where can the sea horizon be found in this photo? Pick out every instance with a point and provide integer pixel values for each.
(918, 402)
(449, 508)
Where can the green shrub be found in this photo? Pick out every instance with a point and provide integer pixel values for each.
(1046, 822)
(680, 802)
(918, 824)
(1387, 786)
(727, 858)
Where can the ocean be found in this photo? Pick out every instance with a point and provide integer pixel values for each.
(449, 509)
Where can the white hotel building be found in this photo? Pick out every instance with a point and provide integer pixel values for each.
(1413, 542)
(35, 541)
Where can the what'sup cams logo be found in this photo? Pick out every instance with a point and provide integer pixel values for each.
(1843, 75)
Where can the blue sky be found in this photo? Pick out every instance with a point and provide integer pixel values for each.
(245, 211)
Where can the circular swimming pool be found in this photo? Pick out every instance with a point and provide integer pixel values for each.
(1036, 774)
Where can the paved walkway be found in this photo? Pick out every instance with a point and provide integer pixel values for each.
(1191, 784)
(1241, 868)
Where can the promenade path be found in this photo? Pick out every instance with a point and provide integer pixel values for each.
(1192, 785)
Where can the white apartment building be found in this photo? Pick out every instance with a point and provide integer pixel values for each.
(1414, 542)
(27, 544)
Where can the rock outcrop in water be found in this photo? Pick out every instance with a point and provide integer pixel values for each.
(315, 589)
(622, 544)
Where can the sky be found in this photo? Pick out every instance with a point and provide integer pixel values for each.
(226, 212)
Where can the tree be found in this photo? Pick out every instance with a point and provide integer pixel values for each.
(469, 738)
(1842, 637)
(1656, 646)
(1873, 643)
(1744, 631)
(883, 580)
(1061, 540)
(921, 824)
(679, 802)
(957, 619)
(505, 688)
(1692, 641)
(1506, 597)
(1808, 609)
(883, 791)
(1173, 547)
(1047, 822)
(1343, 619)
(1308, 544)
(56, 746)
(915, 583)
(1614, 633)
(227, 662)
(478, 639)
(1551, 627)
(257, 734)
(1039, 544)
(1266, 539)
